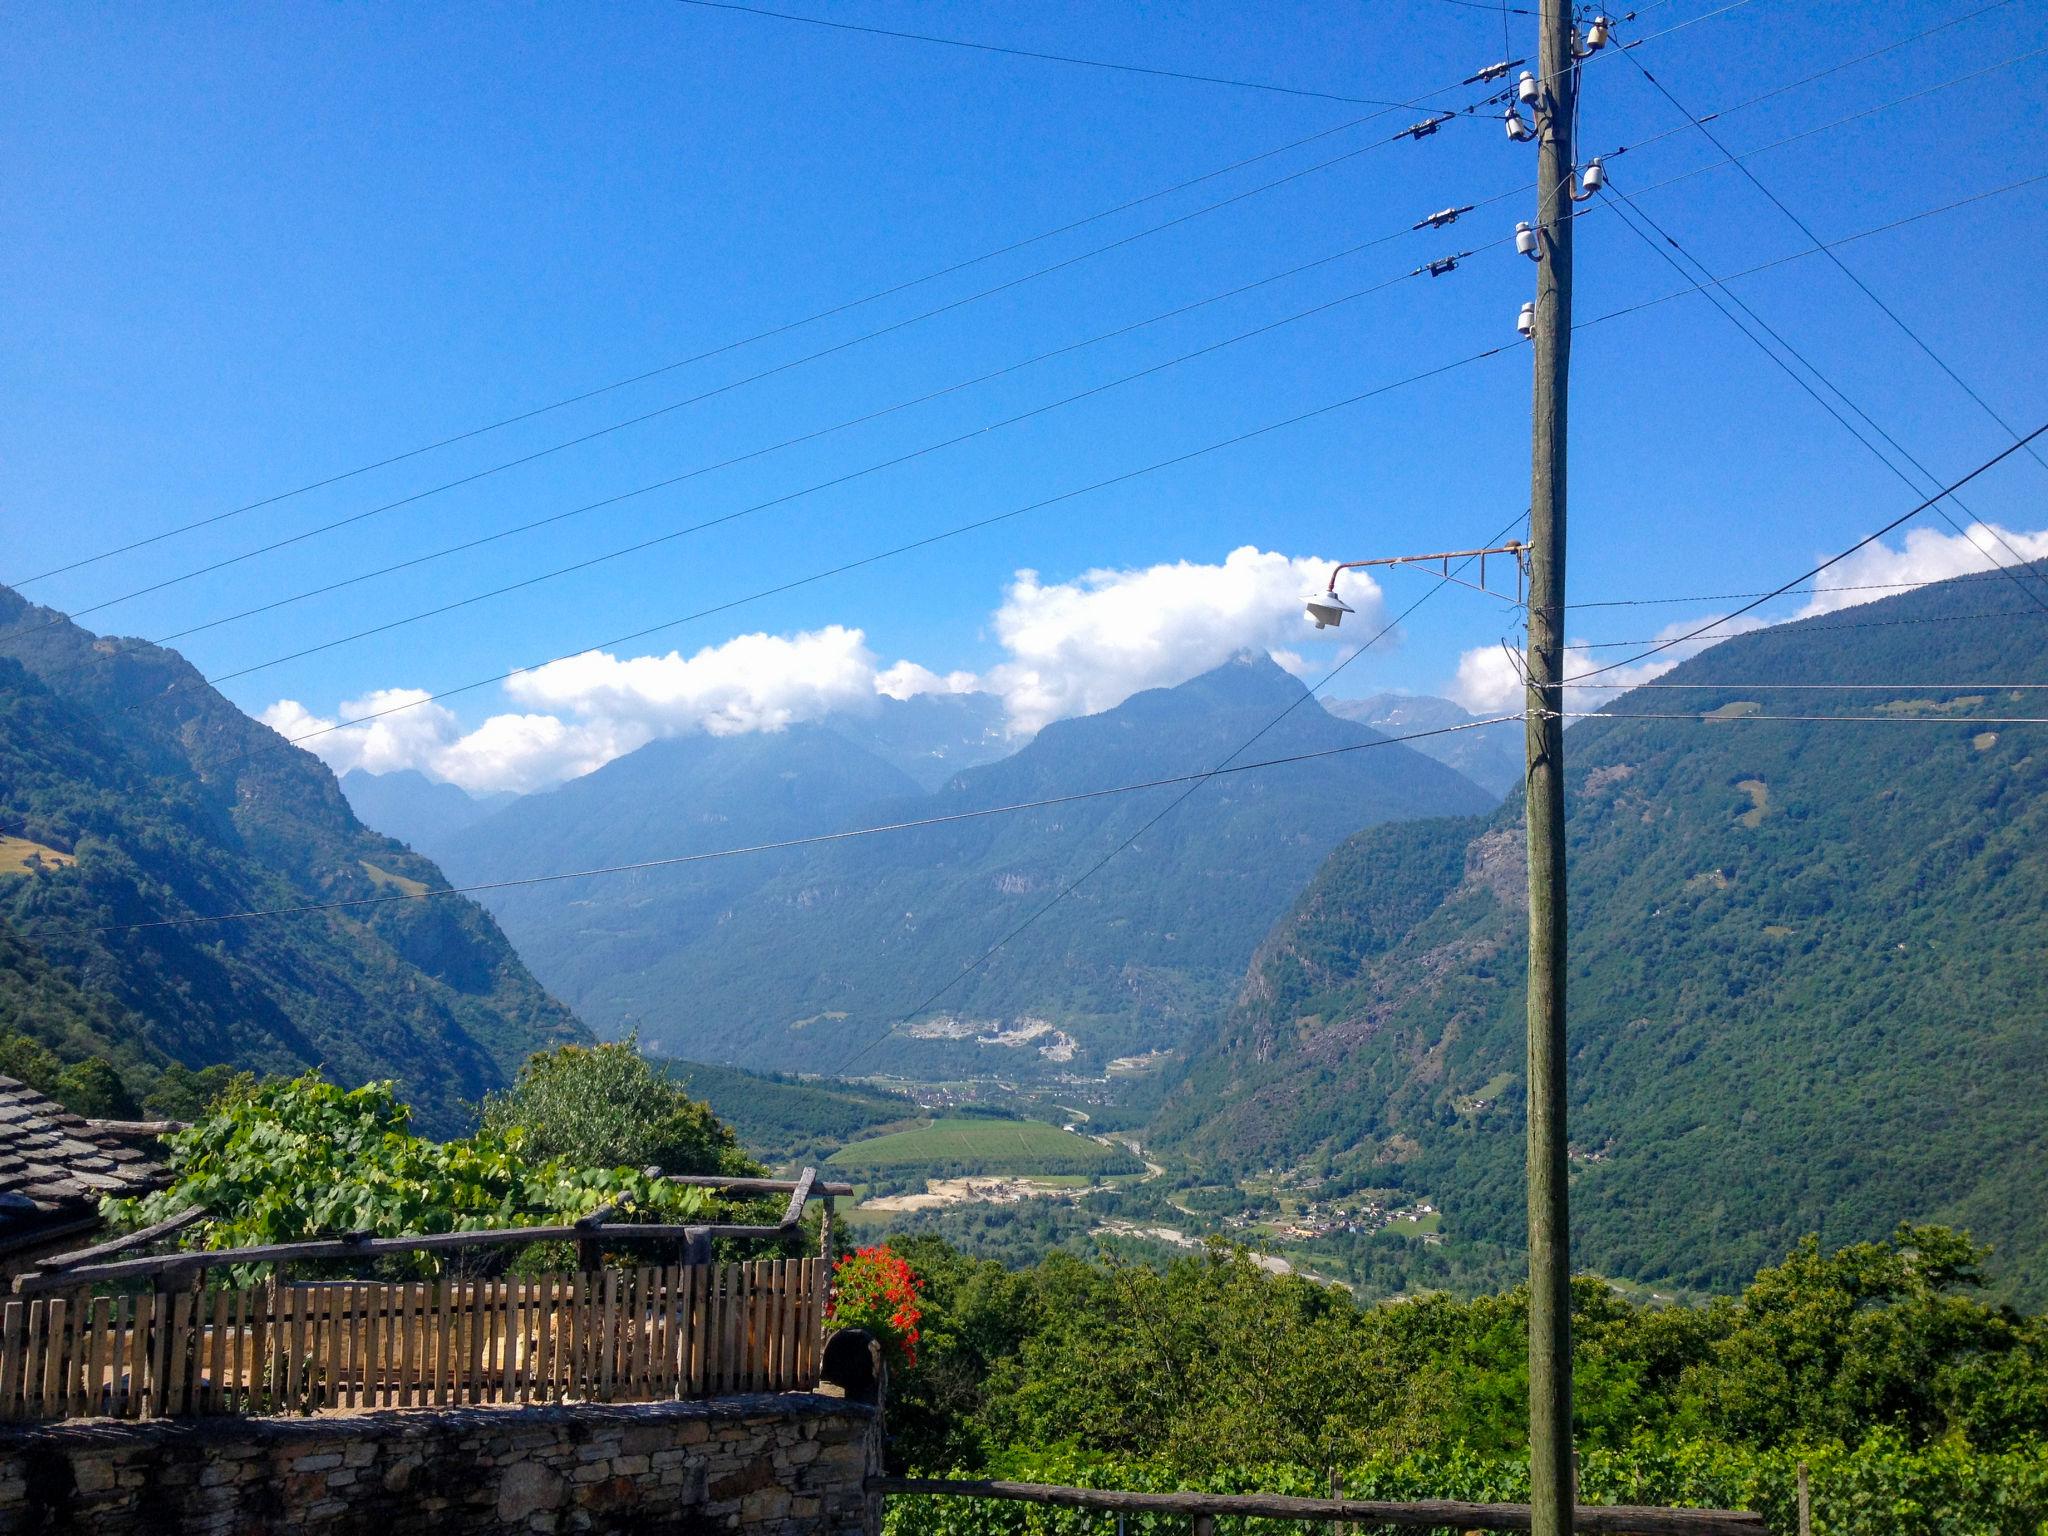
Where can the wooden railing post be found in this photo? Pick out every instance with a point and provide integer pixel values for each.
(1205, 1525)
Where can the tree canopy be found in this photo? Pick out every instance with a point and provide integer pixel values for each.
(608, 1104)
(293, 1159)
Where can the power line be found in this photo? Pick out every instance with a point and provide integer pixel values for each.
(970, 435)
(1779, 261)
(1702, 269)
(101, 655)
(1834, 69)
(1490, 5)
(108, 654)
(786, 843)
(1805, 576)
(958, 531)
(746, 341)
(1811, 627)
(901, 549)
(1034, 55)
(704, 613)
(699, 398)
(541, 410)
(1780, 204)
(912, 320)
(1829, 687)
(1601, 714)
(1198, 781)
(1729, 597)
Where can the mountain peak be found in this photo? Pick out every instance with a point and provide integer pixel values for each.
(1249, 678)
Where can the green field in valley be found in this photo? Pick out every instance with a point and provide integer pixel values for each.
(985, 1146)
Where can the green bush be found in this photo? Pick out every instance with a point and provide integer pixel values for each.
(1878, 1488)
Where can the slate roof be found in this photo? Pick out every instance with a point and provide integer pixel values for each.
(53, 1166)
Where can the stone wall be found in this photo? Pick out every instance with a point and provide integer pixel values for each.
(785, 1465)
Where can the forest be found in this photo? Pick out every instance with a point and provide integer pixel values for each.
(1917, 1405)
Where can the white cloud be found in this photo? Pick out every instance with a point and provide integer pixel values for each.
(1489, 678)
(523, 753)
(1086, 645)
(753, 682)
(1928, 554)
(1072, 648)
(407, 729)
(906, 680)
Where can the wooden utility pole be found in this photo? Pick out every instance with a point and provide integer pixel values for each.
(1550, 1317)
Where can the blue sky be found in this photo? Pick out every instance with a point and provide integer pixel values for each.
(246, 248)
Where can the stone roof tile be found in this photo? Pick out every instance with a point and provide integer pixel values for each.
(53, 1158)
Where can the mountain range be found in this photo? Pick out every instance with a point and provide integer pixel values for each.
(1808, 980)
(132, 793)
(413, 808)
(798, 958)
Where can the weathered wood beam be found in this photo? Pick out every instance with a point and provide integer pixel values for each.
(798, 1197)
(134, 1239)
(1606, 1519)
(587, 1230)
(169, 1264)
(756, 1186)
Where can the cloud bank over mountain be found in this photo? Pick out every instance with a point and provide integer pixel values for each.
(1068, 648)
(1488, 678)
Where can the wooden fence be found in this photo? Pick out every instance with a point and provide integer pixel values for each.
(643, 1335)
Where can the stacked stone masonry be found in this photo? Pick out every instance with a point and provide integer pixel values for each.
(786, 1465)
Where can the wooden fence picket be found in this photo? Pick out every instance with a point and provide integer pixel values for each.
(645, 1334)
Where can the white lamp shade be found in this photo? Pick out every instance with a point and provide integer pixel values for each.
(1326, 609)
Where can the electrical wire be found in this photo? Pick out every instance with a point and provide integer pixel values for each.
(1832, 69)
(1032, 54)
(1601, 714)
(1805, 576)
(103, 654)
(970, 435)
(528, 414)
(1813, 627)
(779, 845)
(1729, 597)
(862, 562)
(1766, 266)
(722, 389)
(1709, 294)
(109, 653)
(1615, 314)
(765, 335)
(281, 741)
(1801, 224)
(435, 490)
(1831, 687)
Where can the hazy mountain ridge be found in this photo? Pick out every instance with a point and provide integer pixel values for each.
(795, 959)
(1489, 755)
(1808, 979)
(155, 797)
(420, 812)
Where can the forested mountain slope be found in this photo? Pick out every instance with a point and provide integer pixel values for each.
(796, 959)
(1809, 967)
(130, 791)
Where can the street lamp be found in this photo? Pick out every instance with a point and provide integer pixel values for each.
(1327, 609)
